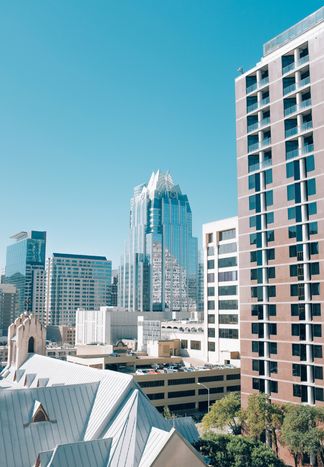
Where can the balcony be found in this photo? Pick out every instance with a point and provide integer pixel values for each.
(258, 125)
(251, 88)
(260, 165)
(304, 104)
(260, 84)
(289, 89)
(291, 131)
(287, 68)
(306, 126)
(303, 82)
(292, 66)
(265, 142)
(294, 108)
(264, 101)
(307, 148)
(252, 107)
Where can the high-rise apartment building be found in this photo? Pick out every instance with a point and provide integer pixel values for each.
(280, 151)
(159, 268)
(75, 281)
(221, 311)
(25, 269)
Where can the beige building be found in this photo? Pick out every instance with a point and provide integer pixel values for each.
(183, 385)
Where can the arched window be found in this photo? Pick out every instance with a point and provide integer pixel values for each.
(31, 343)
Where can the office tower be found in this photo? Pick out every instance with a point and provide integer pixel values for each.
(75, 281)
(113, 289)
(25, 269)
(159, 268)
(280, 145)
(8, 300)
(221, 291)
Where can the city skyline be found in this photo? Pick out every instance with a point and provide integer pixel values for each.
(167, 116)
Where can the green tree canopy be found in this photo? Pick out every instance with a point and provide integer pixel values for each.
(224, 413)
(236, 451)
(300, 431)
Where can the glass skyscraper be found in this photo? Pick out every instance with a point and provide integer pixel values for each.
(159, 268)
(25, 268)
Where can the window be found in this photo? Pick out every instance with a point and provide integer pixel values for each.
(316, 309)
(211, 332)
(227, 262)
(210, 264)
(269, 198)
(210, 251)
(236, 388)
(272, 329)
(190, 392)
(233, 376)
(176, 382)
(210, 379)
(317, 330)
(151, 384)
(274, 386)
(39, 413)
(211, 319)
(211, 346)
(211, 291)
(211, 305)
(319, 394)
(312, 228)
(227, 304)
(228, 319)
(258, 384)
(195, 345)
(210, 277)
(156, 396)
(311, 187)
(273, 367)
(228, 333)
(210, 238)
(227, 234)
(184, 344)
(227, 290)
(227, 248)
(318, 372)
(227, 276)
(273, 348)
(317, 351)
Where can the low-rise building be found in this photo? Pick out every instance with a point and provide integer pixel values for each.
(108, 325)
(185, 385)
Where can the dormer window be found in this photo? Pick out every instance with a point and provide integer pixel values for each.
(39, 413)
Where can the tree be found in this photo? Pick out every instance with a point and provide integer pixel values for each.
(167, 413)
(263, 417)
(300, 431)
(224, 413)
(236, 451)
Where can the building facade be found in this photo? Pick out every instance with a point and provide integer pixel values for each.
(160, 267)
(25, 269)
(75, 281)
(220, 239)
(280, 154)
(8, 302)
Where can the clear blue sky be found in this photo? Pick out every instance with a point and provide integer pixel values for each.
(95, 95)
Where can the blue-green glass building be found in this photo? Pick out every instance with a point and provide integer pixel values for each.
(159, 268)
(25, 268)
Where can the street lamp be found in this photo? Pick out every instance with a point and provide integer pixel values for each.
(208, 393)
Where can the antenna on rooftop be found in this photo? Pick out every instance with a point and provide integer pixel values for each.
(240, 70)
